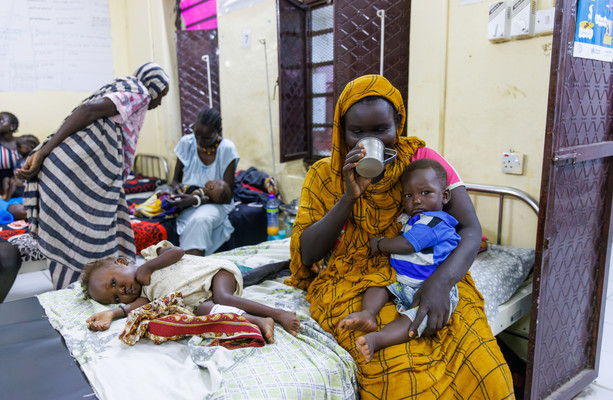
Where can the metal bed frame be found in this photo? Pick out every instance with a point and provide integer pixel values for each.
(151, 165)
(519, 304)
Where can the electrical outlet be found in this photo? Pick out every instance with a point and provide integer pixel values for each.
(543, 21)
(512, 163)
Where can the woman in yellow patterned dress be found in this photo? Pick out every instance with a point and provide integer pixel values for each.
(340, 211)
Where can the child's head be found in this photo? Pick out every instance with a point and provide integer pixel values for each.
(219, 191)
(8, 122)
(26, 143)
(424, 187)
(110, 280)
(371, 116)
(207, 127)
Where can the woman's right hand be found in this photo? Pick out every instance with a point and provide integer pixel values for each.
(32, 166)
(181, 201)
(354, 183)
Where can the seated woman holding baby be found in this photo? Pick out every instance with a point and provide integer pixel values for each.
(341, 211)
(203, 182)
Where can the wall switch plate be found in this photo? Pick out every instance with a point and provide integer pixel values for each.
(543, 21)
(498, 26)
(522, 18)
(246, 39)
(512, 163)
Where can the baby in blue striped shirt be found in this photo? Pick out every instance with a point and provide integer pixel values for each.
(428, 237)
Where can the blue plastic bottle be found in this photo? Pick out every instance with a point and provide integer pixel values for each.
(272, 216)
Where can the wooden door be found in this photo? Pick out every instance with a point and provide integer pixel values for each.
(573, 237)
(195, 73)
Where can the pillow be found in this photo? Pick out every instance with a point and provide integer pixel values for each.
(499, 272)
(140, 184)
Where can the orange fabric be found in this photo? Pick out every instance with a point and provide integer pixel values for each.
(462, 360)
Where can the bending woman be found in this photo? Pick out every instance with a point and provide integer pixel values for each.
(340, 211)
(74, 195)
(203, 158)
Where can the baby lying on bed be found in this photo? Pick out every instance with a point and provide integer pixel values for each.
(209, 285)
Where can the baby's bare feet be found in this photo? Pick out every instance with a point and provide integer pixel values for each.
(359, 321)
(266, 325)
(366, 346)
(288, 321)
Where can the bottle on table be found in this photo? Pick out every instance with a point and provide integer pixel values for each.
(272, 215)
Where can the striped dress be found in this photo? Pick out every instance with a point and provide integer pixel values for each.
(76, 206)
(8, 161)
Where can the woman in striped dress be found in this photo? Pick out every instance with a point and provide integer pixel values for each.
(74, 195)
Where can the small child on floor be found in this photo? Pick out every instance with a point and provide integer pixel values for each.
(205, 283)
(428, 237)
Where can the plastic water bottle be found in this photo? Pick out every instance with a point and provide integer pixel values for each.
(272, 215)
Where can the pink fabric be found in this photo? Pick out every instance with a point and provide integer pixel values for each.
(453, 178)
(132, 108)
(198, 13)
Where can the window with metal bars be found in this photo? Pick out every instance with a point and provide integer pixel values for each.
(306, 74)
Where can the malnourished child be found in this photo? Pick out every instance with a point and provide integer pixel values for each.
(207, 284)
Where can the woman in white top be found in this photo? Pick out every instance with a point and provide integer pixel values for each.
(203, 157)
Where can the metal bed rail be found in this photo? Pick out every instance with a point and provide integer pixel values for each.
(501, 192)
(151, 165)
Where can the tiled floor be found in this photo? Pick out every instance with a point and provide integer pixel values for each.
(31, 283)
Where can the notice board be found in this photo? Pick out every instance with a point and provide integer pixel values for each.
(58, 45)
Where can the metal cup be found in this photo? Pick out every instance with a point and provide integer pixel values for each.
(374, 160)
(372, 164)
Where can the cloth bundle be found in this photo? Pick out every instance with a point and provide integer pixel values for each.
(167, 319)
(154, 206)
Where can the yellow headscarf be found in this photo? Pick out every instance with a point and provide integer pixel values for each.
(375, 212)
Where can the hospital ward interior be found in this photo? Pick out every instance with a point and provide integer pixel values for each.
(514, 98)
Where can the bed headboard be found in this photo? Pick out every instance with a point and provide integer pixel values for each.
(501, 192)
(151, 165)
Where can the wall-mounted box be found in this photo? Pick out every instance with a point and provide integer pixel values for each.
(498, 26)
(522, 18)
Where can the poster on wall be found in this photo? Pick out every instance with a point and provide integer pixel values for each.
(594, 30)
(58, 45)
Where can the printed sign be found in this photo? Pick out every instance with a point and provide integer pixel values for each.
(594, 30)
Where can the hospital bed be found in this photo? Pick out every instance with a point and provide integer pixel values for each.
(311, 365)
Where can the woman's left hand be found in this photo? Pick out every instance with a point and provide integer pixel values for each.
(433, 301)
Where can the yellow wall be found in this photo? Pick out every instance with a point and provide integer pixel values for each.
(244, 95)
(472, 100)
(468, 98)
(141, 31)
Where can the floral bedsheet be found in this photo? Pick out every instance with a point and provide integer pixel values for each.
(309, 366)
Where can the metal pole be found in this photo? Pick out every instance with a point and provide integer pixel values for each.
(272, 141)
(381, 14)
(205, 58)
